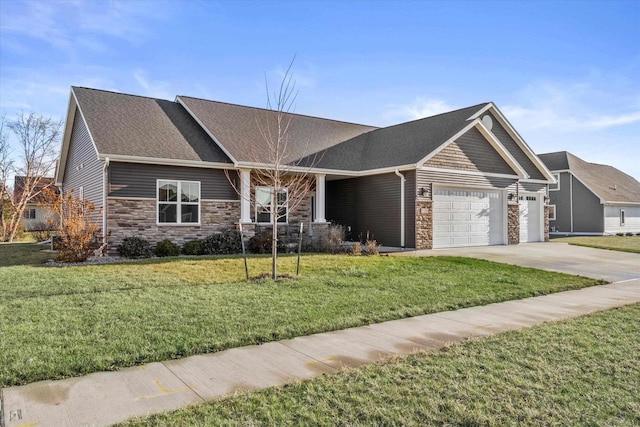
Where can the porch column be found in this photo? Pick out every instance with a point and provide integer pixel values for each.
(320, 198)
(245, 196)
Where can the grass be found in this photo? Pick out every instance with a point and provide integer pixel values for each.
(614, 243)
(583, 371)
(23, 254)
(61, 322)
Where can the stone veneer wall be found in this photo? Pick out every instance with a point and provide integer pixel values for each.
(513, 224)
(129, 217)
(546, 223)
(424, 224)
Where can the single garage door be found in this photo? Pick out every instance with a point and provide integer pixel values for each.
(530, 217)
(467, 217)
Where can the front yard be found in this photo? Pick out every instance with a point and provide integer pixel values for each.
(60, 322)
(583, 371)
(615, 243)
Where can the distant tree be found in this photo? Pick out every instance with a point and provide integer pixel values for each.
(37, 138)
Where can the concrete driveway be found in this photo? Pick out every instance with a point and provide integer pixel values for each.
(602, 264)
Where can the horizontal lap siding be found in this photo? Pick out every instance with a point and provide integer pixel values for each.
(129, 180)
(588, 213)
(83, 168)
(532, 187)
(562, 200)
(426, 179)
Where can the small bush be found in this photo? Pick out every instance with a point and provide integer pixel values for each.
(333, 241)
(194, 247)
(227, 242)
(629, 234)
(356, 249)
(370, 247)
(41, 231)
(619, 234)
(134, 247)
(637, 234)
(261, 243)
(167, 248)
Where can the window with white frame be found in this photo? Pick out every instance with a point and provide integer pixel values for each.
(556, 186)
(264, 205)
(552, 212)
(621, 216)
(29, 213)
(178, 202)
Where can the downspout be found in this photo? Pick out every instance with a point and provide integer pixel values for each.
(105, 186)
(402, 207)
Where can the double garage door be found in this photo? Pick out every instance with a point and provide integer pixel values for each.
(468, 217)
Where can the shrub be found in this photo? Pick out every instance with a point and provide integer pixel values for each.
(356, 249)
(629, 234)
(134, 247)
(619, 234)
(167, 248)
(194, 247)
(637, 234)
(227, 242)
(333, 241)
(370, 247)
(41, 231)
(261, 243)
(76, 230)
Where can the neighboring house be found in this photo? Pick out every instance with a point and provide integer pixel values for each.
(590, 198)
(156, 168)
(38, 212)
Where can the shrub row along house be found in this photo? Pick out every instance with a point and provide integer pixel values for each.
(159, 169)
(590, 198)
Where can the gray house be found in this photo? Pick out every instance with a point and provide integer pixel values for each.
(167, 169)
(589, 198)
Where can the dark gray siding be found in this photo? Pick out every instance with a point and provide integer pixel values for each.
(471, 152)
(372, 204)
(588, 212)
(139, 180)
(562, 200)
(83, 168)
(425, 179)
(513, 148)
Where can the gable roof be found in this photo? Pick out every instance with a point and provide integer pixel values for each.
(611, 185)
(137, 126)
(239, 129)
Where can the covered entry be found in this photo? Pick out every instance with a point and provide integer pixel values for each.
(468, 217)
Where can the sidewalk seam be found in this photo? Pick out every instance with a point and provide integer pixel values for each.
(182, 381)
(306, 355)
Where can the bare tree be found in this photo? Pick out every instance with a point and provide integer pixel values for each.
(284, 182)
(37, 138)
(6, 166)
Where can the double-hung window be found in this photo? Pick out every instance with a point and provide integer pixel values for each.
(178, 202)
(29, 213)
(264, 210)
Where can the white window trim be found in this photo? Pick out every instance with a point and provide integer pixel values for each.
(622, 218)
(557, 188)
(553, 218)
(274, 202)
(178, 203)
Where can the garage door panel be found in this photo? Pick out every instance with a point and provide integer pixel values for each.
(465, 217)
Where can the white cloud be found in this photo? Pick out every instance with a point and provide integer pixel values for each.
(418, 109)
(153, 88)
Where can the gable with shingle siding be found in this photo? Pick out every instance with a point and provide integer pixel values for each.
(470, 152)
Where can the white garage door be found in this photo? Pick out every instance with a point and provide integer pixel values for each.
(466, 217)
(530, 217)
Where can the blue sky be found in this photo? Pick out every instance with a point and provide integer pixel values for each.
(566, 74)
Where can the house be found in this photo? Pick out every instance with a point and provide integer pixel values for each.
(590, 198)
(37, 213)
(461, 178)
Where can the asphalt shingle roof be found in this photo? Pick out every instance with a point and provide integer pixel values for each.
(607, 182)
(402, 144)
(241, 130)
(131, 125)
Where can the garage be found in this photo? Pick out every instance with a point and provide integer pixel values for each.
(531, 219)
(468, 217)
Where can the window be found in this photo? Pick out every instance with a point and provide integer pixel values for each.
(29, 214)
(621, 216)
(552, 212)
(264, 200)
(178, 202)
(556, 186)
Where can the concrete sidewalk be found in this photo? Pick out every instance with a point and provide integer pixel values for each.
(108, 397)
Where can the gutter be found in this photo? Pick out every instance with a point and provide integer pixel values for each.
(402, 207)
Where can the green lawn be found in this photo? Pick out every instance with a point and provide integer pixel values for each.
(584, 371)
(615, 243)
(60, 322)
(23, 254)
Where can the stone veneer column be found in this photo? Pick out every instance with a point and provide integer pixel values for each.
(546, 223)
(424, 224)
(513, 223)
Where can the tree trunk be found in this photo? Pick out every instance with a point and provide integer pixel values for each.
(274, 245)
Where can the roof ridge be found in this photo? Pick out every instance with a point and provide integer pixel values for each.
(286, 112)
(435, 115)
(121, 93)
